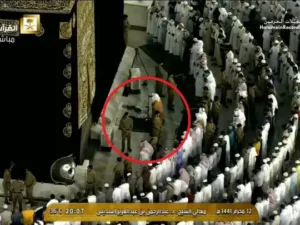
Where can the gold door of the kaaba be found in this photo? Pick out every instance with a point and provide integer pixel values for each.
(86, 58)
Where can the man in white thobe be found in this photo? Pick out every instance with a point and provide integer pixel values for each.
(117, 195)
(201, 118)
(223, 15)
(248, 192)
(170, 37)
(178, 39)
(240, 167)
(266, 170)
(177, 10)
(159, 172)
(184, 13)
(287, 182)
(207, 192)
(244, 51)
(239, 117)
(264, 139)
(234, 39)
(274, 56)
(198, 196)
(211, 83)
(125, 193)
(251, 160)
(286, 215)
(218, 187)
(196, 49)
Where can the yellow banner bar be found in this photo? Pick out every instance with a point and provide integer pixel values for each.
(87, 212)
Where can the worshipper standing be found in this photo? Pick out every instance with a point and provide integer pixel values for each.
(234, 39)
(216, 108)
(90, 181)
(157, 125)
(17, 188)
(171, 93)
(274, 57)
(209, 135)
(178, 39)
(162, 33)
(108, 192)
(30, 181)
(5, 216)
(16, 217)
(126, 125)
(127, 166)
(126, 28)
(6, 184)
(159, 71)
(119, 172)
(190, 21)
(170, 36)
(184, 13)
(101, 197)
(28, 215)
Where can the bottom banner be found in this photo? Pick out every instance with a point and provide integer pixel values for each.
(87, 212)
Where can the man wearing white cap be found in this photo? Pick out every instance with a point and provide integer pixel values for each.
(170, 36)
(207, 192)
(117, 195)
(213, 6)
(207, 35)
(178, 39)
(146, 151)
(266, 170)
(218, 188)
(196, 49)
(177, 10)
(101, 197)
(245, 13)
(184, 13)
(274, 56)
(240, 167)
(162, 32)
(5, 216)
(223, 15)
(108, 192)
(266, 40)
(170, 189)
(264, 138)
(286, 215)
(234, 39)
(125, 191)
(250, 160)
(244, 53)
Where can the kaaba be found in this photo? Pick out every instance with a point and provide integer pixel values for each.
(51, 83)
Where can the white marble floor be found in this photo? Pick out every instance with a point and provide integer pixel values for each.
(103, 162)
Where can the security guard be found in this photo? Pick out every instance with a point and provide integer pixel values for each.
(171, 93)
(30, 181)
(90, 181)
(209, 135)
(126, 125)
(216, 108)
(17, 188)
(119, 172)
(159, 85)
(157, 126)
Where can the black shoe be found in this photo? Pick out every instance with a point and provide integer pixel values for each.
(129, 150)
(162, 96)
(7, 202)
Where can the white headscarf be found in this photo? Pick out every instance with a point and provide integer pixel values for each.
(155, 97)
